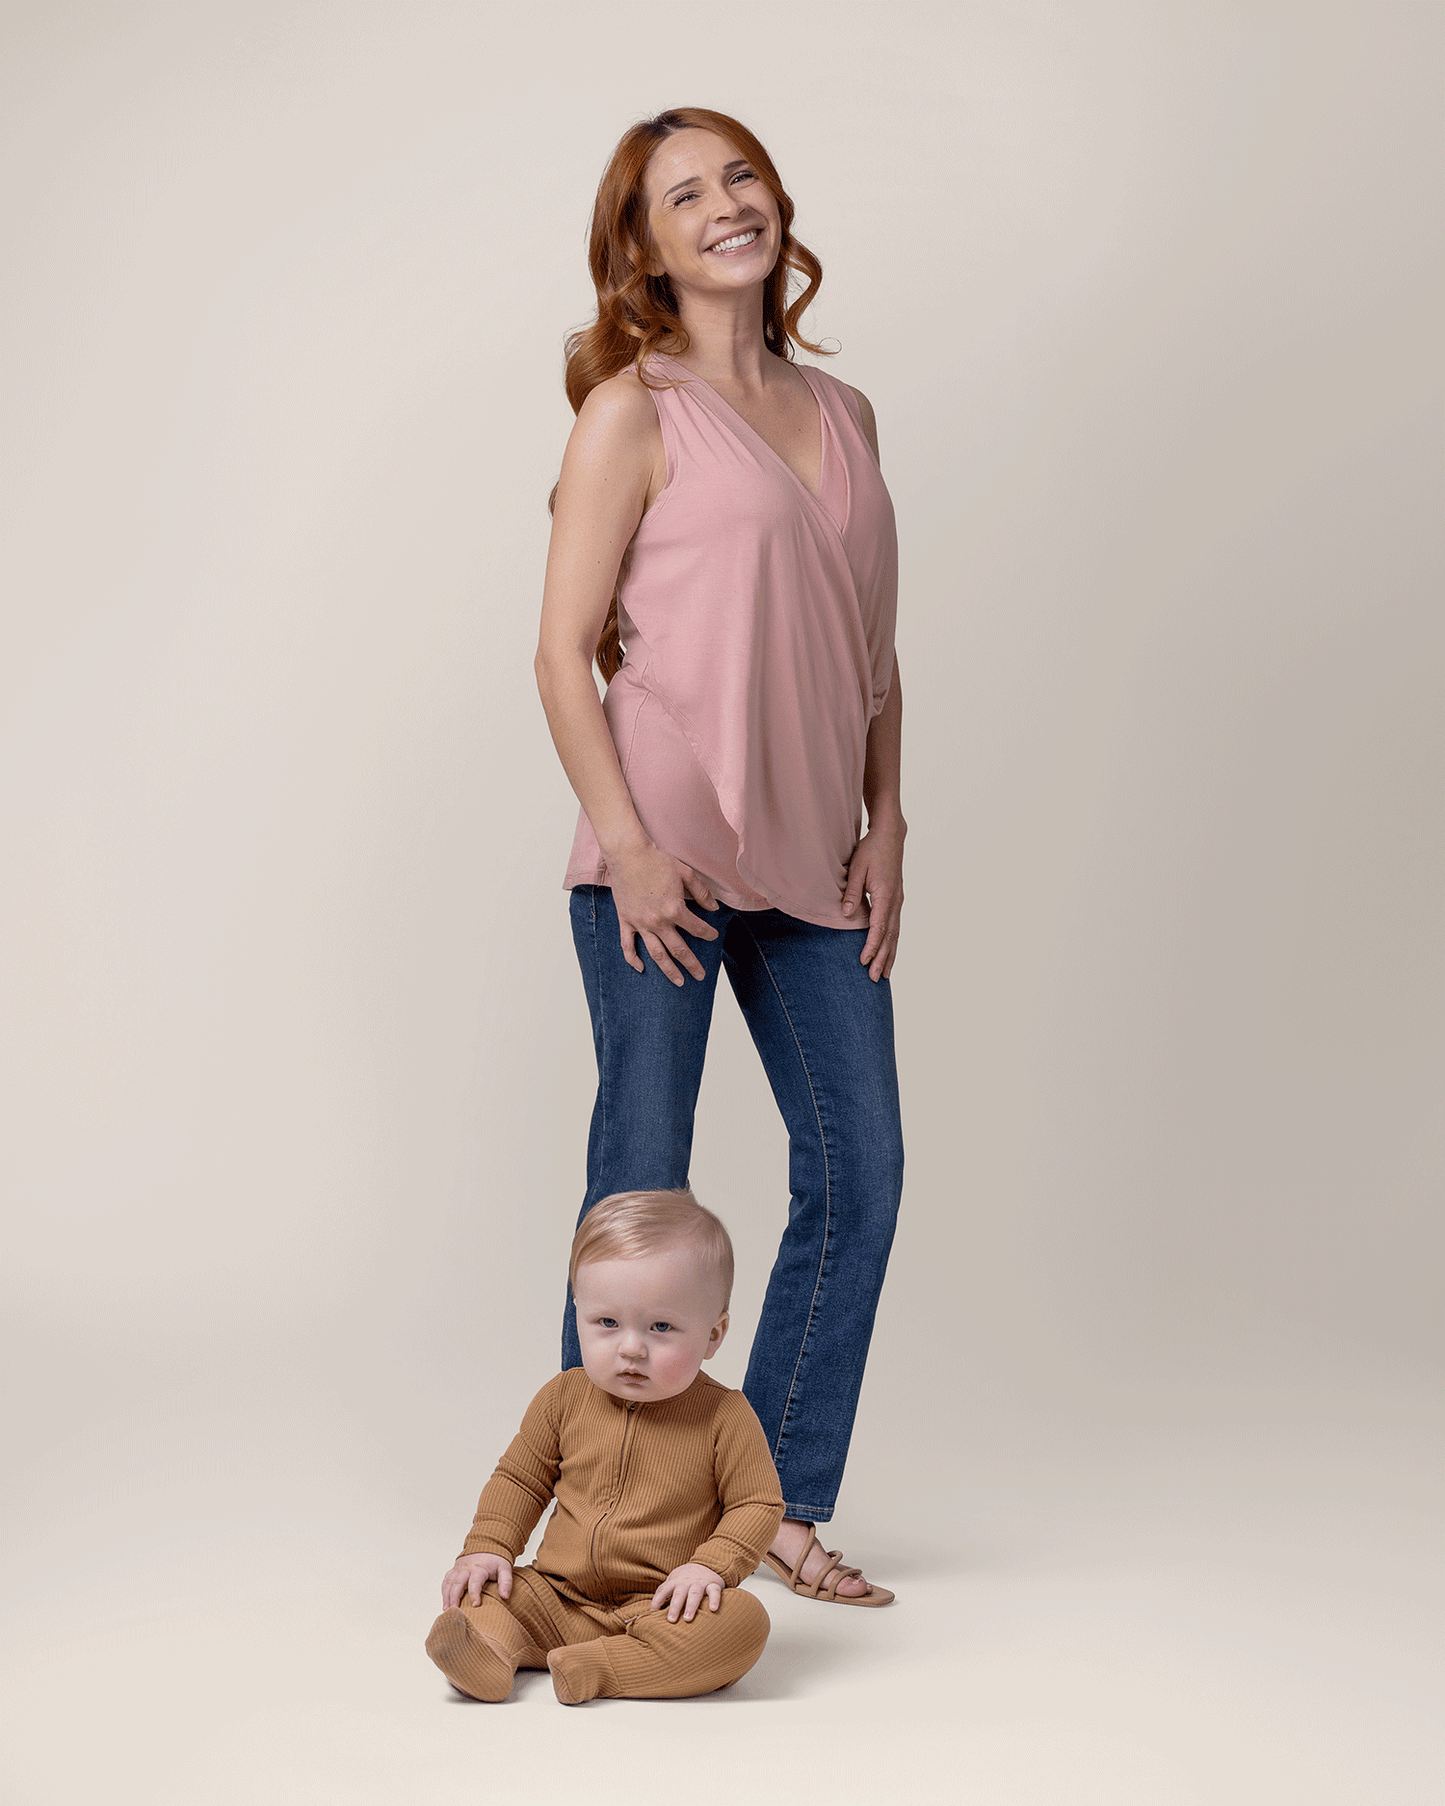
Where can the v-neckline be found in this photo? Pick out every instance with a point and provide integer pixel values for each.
(771, 450)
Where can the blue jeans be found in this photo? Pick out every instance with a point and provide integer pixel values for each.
(825, 1034)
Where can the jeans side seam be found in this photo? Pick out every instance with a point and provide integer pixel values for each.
(827, 1196)
(602, 1038)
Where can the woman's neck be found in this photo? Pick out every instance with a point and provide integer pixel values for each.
(725, 341)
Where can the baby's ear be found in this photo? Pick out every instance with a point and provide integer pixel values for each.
(715, 1340)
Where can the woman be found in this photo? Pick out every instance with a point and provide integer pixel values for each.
(753, 706)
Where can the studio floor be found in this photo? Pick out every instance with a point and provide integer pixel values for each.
(1226, 1612)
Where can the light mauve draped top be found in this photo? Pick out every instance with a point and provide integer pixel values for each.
(757, 621)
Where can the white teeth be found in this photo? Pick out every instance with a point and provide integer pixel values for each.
(740, 238)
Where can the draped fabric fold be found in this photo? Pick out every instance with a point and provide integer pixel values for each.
(757, 620)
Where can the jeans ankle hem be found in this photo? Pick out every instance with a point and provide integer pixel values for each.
(809, 1514)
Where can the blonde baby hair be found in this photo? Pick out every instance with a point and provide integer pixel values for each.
(630, 1224)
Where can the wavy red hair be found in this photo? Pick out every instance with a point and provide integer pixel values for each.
(637, 312)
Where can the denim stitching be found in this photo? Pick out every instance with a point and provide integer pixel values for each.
(827, 1198)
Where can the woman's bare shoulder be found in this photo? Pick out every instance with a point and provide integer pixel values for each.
(619, 412)
(865, 409)
(616, 443)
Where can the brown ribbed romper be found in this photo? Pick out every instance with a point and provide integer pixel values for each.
(639, 1489)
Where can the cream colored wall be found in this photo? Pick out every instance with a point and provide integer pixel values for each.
(297, 1064)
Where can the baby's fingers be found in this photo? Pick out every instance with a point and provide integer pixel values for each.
(714, 1595)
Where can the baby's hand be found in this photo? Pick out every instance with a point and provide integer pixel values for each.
(685, 1587)
(471, 1574)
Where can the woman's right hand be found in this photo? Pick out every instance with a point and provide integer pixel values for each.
(652, 891)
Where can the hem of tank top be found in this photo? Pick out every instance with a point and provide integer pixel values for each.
(812, 917)
(695, 743)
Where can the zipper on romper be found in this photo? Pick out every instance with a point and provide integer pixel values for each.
(616, 1491)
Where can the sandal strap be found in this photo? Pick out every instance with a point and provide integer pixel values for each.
(836, 1566)
(840, 1571)
(795, 1579)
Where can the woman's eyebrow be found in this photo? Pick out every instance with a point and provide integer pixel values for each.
(692, 181)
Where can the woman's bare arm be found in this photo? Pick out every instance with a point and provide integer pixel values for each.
(613, 466)
(877, 863)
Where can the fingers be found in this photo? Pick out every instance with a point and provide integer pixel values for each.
(694, 925)
(880, 948)
(661, 959)
(687, 1590)
(667, 947)
(669, 950)
(853, 889)
(696, 889)
(879, 923)
(629, 945)
(469, 1582)
(684, 954)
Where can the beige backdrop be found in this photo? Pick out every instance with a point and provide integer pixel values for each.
(297, 1069)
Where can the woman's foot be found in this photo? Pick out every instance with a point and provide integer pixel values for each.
(789, 1544)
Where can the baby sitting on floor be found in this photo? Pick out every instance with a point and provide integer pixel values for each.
(665, 1491)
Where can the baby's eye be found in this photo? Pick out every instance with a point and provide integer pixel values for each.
(661, 1326)
(607, 1323)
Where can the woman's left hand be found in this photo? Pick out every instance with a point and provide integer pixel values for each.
(877, 869)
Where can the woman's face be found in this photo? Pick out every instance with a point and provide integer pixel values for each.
(714, 221)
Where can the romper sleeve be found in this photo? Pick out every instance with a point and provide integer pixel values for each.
(747, 1486)
(517, 1494)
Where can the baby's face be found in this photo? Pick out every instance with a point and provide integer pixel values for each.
(647, 1325)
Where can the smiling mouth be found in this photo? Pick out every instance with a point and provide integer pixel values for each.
(738, 242)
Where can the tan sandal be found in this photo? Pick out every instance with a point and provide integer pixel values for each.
(839, 1572)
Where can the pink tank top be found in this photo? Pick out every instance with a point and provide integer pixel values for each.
(757, 623)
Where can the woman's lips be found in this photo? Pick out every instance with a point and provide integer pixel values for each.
(730, 246)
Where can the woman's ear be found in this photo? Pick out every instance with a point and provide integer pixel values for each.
(715, 1339)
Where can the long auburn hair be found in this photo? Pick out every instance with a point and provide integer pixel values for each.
(637, 313)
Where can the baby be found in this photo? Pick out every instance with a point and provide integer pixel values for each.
(665, 1490)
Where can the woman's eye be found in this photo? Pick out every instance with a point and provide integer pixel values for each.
(691, 195)
(745, 175)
